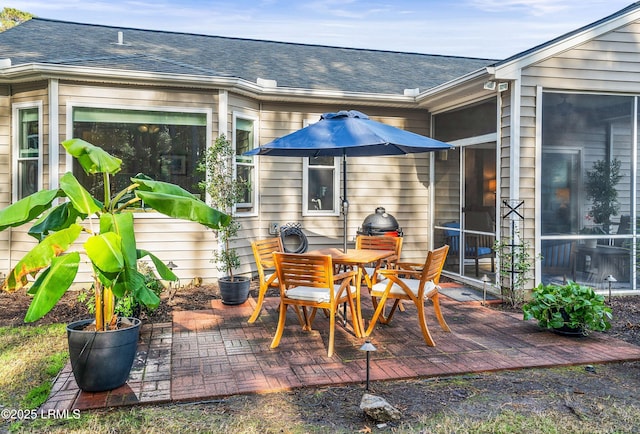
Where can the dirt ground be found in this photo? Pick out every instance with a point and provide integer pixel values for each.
(583, 392)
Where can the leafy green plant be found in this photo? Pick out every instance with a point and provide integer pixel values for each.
(571, 305)
(111, 245)
(515, 262)
(225, 189)
(600, 188)
(128, 305)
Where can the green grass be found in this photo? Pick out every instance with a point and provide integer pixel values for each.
(30, 358)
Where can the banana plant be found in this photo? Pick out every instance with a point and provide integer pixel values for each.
(61, 215)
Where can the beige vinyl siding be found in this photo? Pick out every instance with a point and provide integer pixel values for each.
(188, 245)
(608, 63)
(399, 184)
(20, 242)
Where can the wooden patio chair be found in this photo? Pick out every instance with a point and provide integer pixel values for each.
(414, 282)
(263, 254)
(383, 242)
(308, 281)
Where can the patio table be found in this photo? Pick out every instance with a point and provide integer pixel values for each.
(357, 258)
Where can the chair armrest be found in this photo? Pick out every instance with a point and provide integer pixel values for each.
(410, 265)
(344, 275)
(387, 272)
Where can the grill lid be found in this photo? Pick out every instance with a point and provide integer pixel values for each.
(379, 221)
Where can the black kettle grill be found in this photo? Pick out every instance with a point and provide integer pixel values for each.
(380, 223)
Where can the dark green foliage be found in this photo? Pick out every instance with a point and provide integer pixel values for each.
(571, 305)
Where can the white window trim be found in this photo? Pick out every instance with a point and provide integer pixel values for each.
(306, 212)
(255, 187)
(16, 145)
(69, 132)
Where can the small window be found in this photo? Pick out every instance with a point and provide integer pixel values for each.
(28, 152)
(244, 139)
(321, 186)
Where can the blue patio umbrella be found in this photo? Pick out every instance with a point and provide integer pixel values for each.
(348, 134)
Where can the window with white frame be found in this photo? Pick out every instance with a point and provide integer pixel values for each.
(321, 179)
(28, 151)
(165, 145)
(244, 139)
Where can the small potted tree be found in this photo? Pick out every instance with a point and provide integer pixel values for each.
(101, 349)
(571, 309)
(225, 189)
(600, 187)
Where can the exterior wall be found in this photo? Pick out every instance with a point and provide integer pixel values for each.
(16, 239)
(5, 173)
(608, 63)
(187, 244)
(399, 184)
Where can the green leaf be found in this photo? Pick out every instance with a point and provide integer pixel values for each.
(105, 252)
(79, 196)
(51, 285)
(122, 224)
(93, 159)
(148, 184)
(59, 217)
(164, 271)
(143, 294)
(187, 208)
(27, 209)
(40, 257)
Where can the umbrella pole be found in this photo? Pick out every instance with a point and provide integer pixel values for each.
(345, 202)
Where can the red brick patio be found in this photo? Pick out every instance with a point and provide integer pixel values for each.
(213, 352)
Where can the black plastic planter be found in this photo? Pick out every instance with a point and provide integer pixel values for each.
(102, 360)
(234, 292)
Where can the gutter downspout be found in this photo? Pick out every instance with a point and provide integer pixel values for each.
(514, 151)
(514, 148)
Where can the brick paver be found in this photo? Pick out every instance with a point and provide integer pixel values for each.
(214, 352)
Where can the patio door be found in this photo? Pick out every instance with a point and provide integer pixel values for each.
(465, 208)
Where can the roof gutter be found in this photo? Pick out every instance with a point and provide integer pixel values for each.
(445, 87)
(263, 90)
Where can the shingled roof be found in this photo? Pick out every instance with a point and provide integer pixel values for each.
(301, 66)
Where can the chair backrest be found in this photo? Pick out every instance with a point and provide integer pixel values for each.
(263, 253)
(304, 270)
(434, 264)
(383, 242)
(452, 236)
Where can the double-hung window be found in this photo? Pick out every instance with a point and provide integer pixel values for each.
(27, 149)
(245, 139)
(320, 185)
(321, 179)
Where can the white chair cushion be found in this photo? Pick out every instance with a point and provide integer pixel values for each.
(412, 284)
(268, 276)
(370, 270)
(312, 293)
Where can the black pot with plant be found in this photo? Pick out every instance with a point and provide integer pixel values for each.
(107, 341)
(570, 308)
(225, 190)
